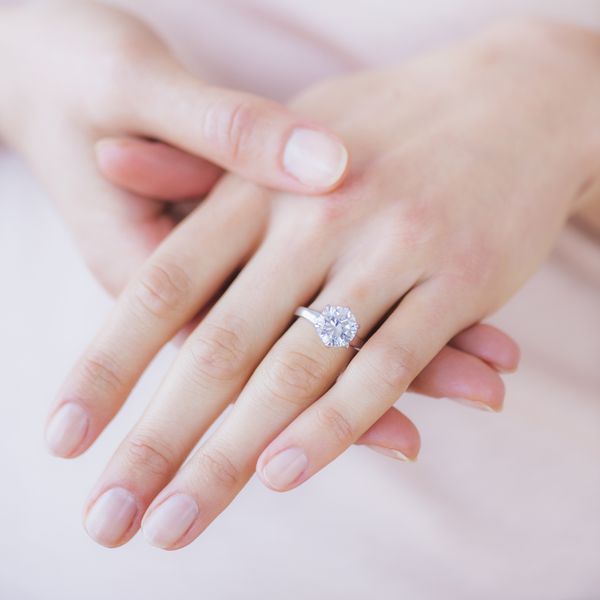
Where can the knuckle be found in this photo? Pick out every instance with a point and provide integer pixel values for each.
(101, 370)
(149, 455)
(219, 467)
(471, 265)
(229, 125)
(161, 289)
(478, 264)
(217, 351)
(412, 222)
(393, 369)
(294, 377)
(415, 213)
(337, 423)
(338, 206)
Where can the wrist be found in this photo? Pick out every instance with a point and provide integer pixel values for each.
(555, 73)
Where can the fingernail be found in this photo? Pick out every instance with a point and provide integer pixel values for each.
(505, 370)
(391, 452)
(475, 404)
(314, 158)
(111, 516)
(169, 521)
(284, 468)
(66, 429)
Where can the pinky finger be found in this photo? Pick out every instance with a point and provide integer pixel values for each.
(451, 374)
(393, 435)
(489, 344)
(462, 377)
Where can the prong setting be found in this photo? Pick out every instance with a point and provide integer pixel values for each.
(336, 326)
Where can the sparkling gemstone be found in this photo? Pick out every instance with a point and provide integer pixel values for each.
(336, 326)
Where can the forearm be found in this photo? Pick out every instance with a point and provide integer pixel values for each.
(562, 63)
(586, 206)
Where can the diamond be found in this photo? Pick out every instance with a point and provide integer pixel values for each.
(336, 326)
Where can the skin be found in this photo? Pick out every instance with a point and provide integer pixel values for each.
(466, 165)
(63, 135)
(122, 79)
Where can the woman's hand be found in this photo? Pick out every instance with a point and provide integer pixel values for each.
(74, 72)
(453, 372)
(465, 166)
(79, 71)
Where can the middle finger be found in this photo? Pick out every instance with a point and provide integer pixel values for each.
(296, 372)
(211, 369)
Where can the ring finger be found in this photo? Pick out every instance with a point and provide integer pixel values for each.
(416, 330)
(297, 370)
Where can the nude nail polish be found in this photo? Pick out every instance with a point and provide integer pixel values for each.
(314, 158)
(391, 452)
(170, 520)
(475, 404)
(66, 429)
(284, 468)
(111, 516)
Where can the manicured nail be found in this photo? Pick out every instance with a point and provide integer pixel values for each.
(391, 452)
(314, 158)
(169, 521)
(475, 404)
(284, 468)
(66, 429)
(505, 370)
(111, 516)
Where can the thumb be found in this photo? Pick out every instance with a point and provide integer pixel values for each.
(251, 136)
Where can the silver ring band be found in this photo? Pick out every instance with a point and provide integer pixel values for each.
(307, 313)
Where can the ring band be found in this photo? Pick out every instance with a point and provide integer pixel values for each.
(335, 325)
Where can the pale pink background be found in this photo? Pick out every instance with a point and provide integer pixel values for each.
(498, 507)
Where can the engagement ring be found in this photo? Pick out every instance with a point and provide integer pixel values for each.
(336, 325)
